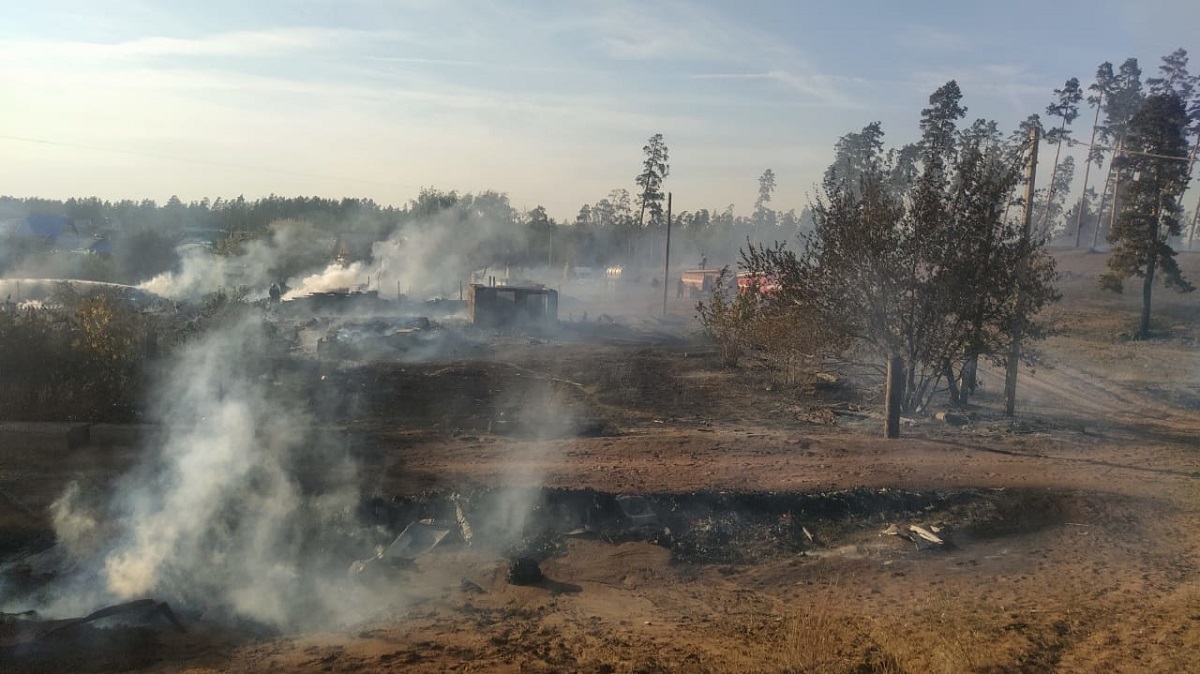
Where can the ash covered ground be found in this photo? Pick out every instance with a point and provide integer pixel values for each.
(396, 490)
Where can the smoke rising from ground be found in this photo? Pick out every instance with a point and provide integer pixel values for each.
(219, 518)
(244, 511)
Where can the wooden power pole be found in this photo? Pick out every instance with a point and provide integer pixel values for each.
(667, 271)
(1196, 213)
(1087, 171)
(1116, 195)
(1195, 222)
(894, 398)
(1014, 354)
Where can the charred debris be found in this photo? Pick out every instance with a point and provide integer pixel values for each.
(389, 537)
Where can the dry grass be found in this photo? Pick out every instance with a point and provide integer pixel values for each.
(943, 634)
(816, 635)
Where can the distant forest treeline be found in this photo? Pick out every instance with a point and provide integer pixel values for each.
(139, 239)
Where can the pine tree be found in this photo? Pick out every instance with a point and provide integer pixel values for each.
(1095, 155)
(1066, 108)
(855, 155)
(1124, 99)
(1150, 212)
(764, 216)
(915, 258)
(654, 170)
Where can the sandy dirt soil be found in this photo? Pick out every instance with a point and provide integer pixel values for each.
(1077, 551)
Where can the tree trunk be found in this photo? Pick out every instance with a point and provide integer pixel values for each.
(894, 395)
(951, 382)
(970, 371)
(1100, 207)
(1147, 289)
(909, 398)
(1014, 353)
(1155, 228)
(1082, 209)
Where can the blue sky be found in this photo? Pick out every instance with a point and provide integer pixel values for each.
(550, 102)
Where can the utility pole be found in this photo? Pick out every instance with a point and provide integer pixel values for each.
(1112, 214)
(894, 397)
(1195, 222)
(1101, 201)
(1196, 214)
(667, 271)
(1087, 170)
(1014, 354)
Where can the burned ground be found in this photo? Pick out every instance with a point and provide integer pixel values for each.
(694, 519)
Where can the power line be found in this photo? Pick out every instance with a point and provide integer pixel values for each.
(1071, 143)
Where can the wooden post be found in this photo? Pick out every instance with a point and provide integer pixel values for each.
(667, 271)
(1014, 354)
(895, 395)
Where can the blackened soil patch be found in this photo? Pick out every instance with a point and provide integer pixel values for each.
(724, 527)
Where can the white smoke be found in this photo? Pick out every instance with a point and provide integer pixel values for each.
(218, 519)
(200, 272)
(424, 257)
(334, 277)
(289, 245)
(75, 525)
(422, 260)
(538, 408)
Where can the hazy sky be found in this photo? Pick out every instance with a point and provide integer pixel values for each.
(550, 102)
